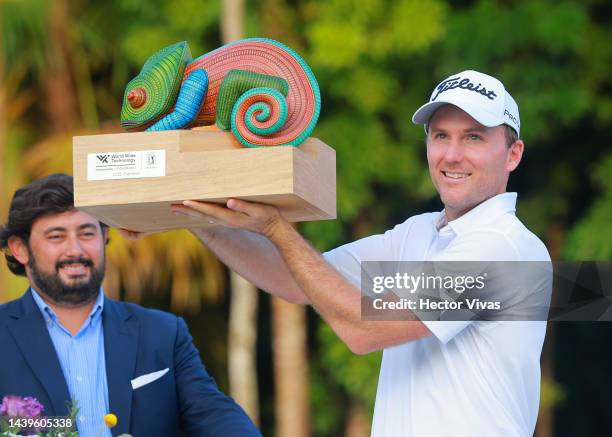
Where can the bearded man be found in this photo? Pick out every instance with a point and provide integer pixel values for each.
(63, 342)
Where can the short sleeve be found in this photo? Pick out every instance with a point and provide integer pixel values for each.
(347, 258)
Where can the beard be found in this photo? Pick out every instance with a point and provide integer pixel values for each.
(79, 293)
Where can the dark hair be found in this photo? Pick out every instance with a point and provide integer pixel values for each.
(511, 135)
(52, 194)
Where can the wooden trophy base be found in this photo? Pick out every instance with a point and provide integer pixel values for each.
(129, 180)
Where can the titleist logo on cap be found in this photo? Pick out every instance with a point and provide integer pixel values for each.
(466, 84)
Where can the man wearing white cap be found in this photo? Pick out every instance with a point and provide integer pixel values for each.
(462, 378)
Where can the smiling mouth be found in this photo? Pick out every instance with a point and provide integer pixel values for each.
(75, 269)
(456, 175)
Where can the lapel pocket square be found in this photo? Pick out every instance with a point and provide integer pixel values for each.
(148, 378)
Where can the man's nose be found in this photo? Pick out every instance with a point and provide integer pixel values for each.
(74, 247)
(454, 151)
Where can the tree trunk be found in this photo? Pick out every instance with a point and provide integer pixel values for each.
(289, 323)
(357, 421)
(242, 352)
(292, 405)
(232, 20)
(546, 416)
(60, 100)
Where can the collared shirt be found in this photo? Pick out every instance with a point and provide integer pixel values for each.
(82, 360)
(470, 378)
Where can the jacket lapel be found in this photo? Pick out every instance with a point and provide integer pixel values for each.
(120, 348)
(31, 335)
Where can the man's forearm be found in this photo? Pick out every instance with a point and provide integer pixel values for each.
(336, 299)
(275, 257)
(254, 257)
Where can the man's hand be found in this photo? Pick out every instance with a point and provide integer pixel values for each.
(239, 214)
(280, 261)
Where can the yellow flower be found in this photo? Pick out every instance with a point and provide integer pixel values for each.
(110, 420)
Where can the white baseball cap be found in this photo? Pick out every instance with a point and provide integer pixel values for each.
(482, 96)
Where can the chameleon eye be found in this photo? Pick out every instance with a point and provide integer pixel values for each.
(137, 97)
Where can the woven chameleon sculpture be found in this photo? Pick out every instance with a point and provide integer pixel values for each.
(258, 88)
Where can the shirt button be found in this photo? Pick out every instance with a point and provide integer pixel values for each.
(82, 418)
(79, 379)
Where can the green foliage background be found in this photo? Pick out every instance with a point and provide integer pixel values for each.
(376, 62)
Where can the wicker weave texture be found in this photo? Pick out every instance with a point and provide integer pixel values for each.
(156, 87)
(258, 88)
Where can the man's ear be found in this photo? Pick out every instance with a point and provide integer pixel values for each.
(515, 153)
(106, 235)
(19, 249)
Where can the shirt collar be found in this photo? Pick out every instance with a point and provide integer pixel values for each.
(45, 309)
(486, 212)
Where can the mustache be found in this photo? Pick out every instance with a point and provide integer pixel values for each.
(80, 260)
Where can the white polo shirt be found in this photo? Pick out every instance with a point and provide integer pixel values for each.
(470, 378)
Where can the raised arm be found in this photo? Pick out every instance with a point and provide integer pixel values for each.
(254, 257)
(249, 254)
(337, 300)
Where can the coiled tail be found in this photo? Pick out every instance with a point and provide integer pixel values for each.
(262, 90)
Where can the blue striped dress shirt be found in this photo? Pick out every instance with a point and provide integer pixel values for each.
(82, 359)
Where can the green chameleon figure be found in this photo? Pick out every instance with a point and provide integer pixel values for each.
(259, 88)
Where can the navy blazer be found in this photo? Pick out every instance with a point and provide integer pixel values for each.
(137, 341)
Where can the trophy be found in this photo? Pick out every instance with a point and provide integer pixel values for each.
(232, 123)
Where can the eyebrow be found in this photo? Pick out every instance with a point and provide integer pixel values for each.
(62, 229)
(482, 129)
